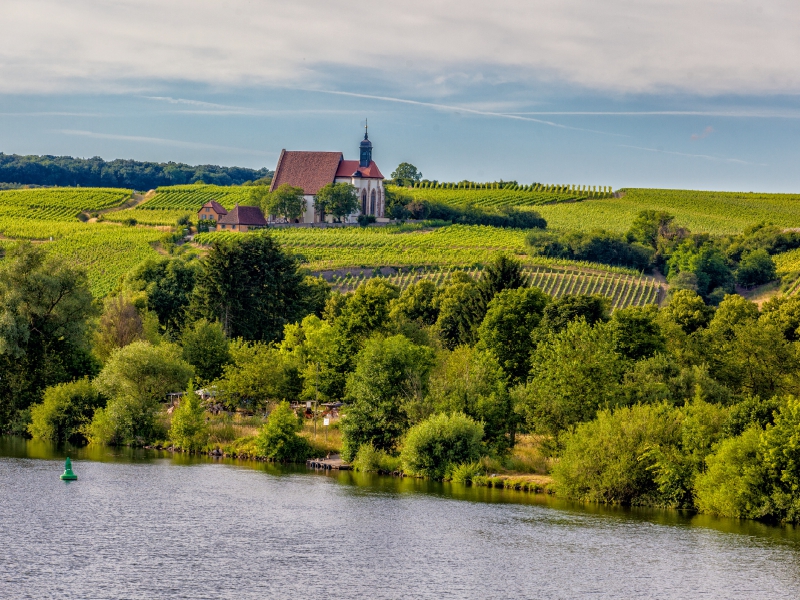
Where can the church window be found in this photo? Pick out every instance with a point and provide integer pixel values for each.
(363, 202)
(372, 203)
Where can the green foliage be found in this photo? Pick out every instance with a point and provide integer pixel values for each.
(389, 380)
(467, 472)
(705, 262)
(136, 379)
(286, 202)
(470, 381)
(337, 199)
(206, 348)
(575, 372)
(755, 268)
(417, 303)
(65, 411)
(44, 307)
(687, 310)
(780, 449)
(119, 325)
(278, 439)
(506, 330)
(637, 333)
(595, 246)
(189, 430)
(251, 286)
(610, 459)
(461, 309)
(561, 312)
(436, 446)
(406, 174)
(168, 283)
(732, 485)
(256, 375)
(368, 459)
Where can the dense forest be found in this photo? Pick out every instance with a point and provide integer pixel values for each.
(131, 174)
(691, 405)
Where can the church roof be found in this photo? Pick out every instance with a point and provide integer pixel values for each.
(348, 167)
(307, 170)
(244, 215)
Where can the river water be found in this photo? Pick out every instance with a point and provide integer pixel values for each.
(141, 524)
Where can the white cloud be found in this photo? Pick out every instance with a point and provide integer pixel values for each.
(697, 46)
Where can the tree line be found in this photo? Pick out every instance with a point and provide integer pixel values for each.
(67, 171)
(690, 405)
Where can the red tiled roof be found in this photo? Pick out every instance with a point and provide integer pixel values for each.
(218, 208)
(244, 215)
(348, 167)
(307, 170)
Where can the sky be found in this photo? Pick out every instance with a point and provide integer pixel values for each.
(691, 94)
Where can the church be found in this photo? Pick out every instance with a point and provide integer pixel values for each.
(313, 170)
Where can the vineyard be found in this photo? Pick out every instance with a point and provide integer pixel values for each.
(509, 195)
(623, 289)
(707, 212)
(401, 246)
(59, 204)
(191, 197)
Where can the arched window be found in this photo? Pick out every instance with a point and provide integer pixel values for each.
(372, 203)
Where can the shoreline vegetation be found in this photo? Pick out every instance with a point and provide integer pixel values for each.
(635, 375)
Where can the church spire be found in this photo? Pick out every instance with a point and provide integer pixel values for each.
(366, 149)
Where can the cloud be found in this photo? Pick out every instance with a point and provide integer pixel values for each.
(704, 156)
(706, 132)
(617, 46)
(163, 142)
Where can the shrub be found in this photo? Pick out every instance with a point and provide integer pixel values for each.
(65, 411)
(129, 222)
(466, 472)
(365, 220)
(278, 439)
(610, 460)
(189, 429)
(434, 447)
(369, 459)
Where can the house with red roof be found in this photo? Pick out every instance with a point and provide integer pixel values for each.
(240, 218)
(211, 211)
(313, 170)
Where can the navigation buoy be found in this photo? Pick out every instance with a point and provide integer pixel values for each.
(68, 475)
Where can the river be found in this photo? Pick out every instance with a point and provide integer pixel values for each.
(142, 524)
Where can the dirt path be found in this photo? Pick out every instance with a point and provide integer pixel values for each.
(136, 200)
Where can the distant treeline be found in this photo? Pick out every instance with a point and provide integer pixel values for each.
(132, 174)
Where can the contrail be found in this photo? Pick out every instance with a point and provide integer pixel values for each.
(706, 156)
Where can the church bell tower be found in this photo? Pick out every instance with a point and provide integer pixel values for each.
(366, 149)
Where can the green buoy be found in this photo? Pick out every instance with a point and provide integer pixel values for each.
(68, 475)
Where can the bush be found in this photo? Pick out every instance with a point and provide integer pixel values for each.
(466, 472)
(278, 439)
(189, 430)
(434, 447)
(756, 268)
(66, 410)
(369, 459)
(610, 460)
(129, 222)
(365, 220)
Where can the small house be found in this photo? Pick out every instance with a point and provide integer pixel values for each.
(242, 218)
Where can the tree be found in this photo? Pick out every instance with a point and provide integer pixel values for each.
(636, 332)
(255, 376)
(120, 324)
(389, 379)
(251, 286)
(609, 460)
(337, 199)
(44, 307)
(416, 303)
(502, 273)
(470, 381)
(286, 201)
(205, 347)
(506, 330)
(434, 447)
(136, 379)
(189, 430)
(406, 174)
(67, 408)
(780, 449)
(706, 261)
(755, 268)
(461, 310)
(687, 310)
(168, 283)
(559, 313)
(574, 373)
(278, 439)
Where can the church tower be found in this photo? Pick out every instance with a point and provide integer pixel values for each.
(366, 150)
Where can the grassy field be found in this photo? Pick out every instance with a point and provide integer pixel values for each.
(494, 198)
